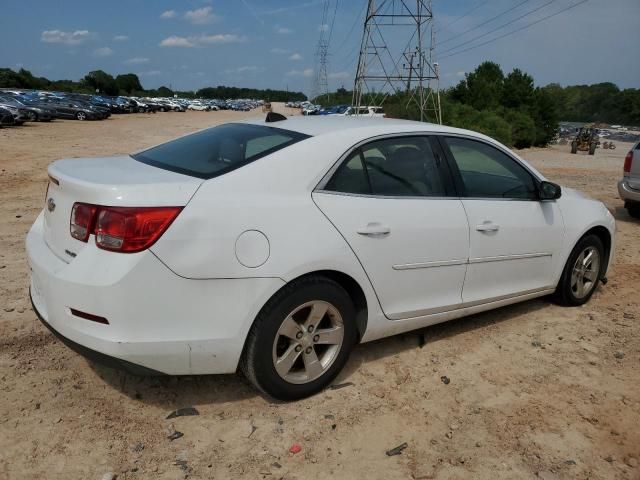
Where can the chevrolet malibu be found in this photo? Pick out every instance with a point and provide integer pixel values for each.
(274, 246)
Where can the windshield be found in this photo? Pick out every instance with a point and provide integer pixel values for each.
(218, 150)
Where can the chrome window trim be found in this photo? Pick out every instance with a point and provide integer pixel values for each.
(320, 187)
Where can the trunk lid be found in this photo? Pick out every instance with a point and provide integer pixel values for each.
(108, 181)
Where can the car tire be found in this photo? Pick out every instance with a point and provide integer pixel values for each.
(572, 290)
(285, 331)
(33, 117)
(633, 209)
(81, 116)
(574, 147)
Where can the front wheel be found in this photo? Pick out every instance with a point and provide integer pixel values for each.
(301, 339)
(581, 273)
(81, 116)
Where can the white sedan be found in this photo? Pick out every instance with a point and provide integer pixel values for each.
(275, 246)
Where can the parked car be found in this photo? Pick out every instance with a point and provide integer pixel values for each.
(72, 109)
(20, 115)
(6, 118)
(34, 113)
(370, 111)
(199, 106)
(276, 247)
(629, 186)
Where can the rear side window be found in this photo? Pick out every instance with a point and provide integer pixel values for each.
(218, 150)
(394, 167)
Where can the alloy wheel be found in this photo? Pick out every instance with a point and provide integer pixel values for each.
(585, 272)
(308, 342)
(81, 116)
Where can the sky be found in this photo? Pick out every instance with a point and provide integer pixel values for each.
(190, 44)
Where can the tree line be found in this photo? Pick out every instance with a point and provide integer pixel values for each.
(129, 84)
(512, 109)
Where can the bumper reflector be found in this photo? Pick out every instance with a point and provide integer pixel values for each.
(89, 316)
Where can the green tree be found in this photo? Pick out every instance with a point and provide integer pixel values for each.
(523, 129)
(518, 90)
(128, 83)
(102, 81)
(484, 86)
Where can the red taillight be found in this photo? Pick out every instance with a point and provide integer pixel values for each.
(627, 162)
(125, 229)
(82, 219)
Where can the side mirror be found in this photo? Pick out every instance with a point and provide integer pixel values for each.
(549, 191)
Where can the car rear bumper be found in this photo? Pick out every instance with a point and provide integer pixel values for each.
(158, 322)
(626, 192)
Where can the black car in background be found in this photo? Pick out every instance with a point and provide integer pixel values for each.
(68, 108)
(20, 115)
(34, 112)
(6, 118)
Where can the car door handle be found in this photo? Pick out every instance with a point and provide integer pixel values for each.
(487, 226)
(374, 230)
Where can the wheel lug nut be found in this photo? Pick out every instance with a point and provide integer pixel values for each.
(316, 338)
(299, 335)
(298, 348)
(310, 329)
(308, 350)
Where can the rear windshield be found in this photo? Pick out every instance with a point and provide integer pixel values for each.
(218, 150)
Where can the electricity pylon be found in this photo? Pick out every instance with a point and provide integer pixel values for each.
(393, 63)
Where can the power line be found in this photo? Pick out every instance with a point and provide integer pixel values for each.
(499, 28)
(481, 4)
(517, 30)
(483, 23)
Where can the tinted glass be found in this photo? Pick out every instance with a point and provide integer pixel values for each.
(217, 150)
(489, 173)
(351, 177)
(397, 167)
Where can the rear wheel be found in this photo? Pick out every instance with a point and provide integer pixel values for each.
(633, 209)
(581, 273)
(81, 116)
(301, 339)
(592, 149)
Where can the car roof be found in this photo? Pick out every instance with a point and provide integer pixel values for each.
(327, 124)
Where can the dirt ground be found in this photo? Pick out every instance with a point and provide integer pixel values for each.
(536, 390)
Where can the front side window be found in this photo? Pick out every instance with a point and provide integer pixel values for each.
(218, 150)
(395, 167)
(486, 172)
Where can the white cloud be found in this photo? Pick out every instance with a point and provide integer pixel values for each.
(150, 73)
(339, 75)
(219, 38)
(175, 41)
(200, 16)
(279, 51)
(307, 72)
(323, 28)
(295, 56)
(168, 14)
(103, 52)
(120, 38)
(67, 38)
(136, 60)
(189, 42)
(283, 30)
